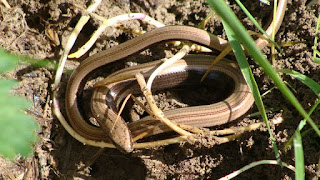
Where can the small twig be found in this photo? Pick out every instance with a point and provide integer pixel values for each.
(192, 129)
(112, 22)
(160, 142)
(182, 52)
(157, 112)
(218, 58)
(236, 130)
(251, 165)
(5, 3)
(143, 134)
(232, 133)
(71, 40)
(56, 107)
(125, 76)
(120, 111)
(24, 26)
(142, 106)
(74, 134)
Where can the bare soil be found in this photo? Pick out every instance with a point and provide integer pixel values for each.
(26, 28)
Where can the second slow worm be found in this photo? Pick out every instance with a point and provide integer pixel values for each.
(92, 63)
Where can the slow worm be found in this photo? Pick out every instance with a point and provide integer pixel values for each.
(225, 76)
(121, 134)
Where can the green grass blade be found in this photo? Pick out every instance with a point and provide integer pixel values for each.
(221, 8)
(298, 155)
(315, 51)
(317, 60)
(257, 24)
(301, 125)
(314, 86)
(246, 71)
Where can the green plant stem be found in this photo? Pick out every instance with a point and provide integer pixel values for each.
(243, 37)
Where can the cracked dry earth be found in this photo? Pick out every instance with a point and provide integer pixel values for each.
(27, 28)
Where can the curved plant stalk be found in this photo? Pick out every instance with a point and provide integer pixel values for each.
(254, 164)
(315, 87)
